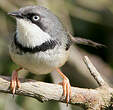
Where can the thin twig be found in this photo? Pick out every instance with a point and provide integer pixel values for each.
(94, 72)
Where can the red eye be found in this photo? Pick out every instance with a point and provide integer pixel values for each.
(35, 18)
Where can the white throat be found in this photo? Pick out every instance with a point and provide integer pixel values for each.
(29, 34)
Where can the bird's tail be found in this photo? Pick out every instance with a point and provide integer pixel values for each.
(82, 41)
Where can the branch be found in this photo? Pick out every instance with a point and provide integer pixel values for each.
(90, 99)
(45, 91)
(94, 72)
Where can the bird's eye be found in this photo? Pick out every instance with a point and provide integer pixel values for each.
(35, 18)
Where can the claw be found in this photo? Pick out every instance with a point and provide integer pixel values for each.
(15, 83)
(66, 87)
(66, 90)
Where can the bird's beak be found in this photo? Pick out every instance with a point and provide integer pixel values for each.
(16, 14)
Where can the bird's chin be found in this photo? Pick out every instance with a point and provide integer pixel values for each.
(29, 34)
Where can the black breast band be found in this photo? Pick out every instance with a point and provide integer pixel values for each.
(50, 44)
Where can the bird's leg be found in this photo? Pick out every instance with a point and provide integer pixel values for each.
(66, 86)
(15, 83)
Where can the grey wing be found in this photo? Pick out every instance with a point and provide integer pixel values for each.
(69, 42)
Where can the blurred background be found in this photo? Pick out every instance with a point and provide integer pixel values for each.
(91, 19)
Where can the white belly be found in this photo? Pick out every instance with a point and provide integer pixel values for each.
(42, 62)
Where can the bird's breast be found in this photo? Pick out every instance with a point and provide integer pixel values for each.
(41, 62)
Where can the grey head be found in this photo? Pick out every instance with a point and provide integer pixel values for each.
(43, 18)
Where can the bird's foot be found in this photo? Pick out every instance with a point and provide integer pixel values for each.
(15, 83)
(66, 87)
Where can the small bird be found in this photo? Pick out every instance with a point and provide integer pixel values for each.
(40, 45)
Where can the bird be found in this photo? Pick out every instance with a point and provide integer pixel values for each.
(40, 45)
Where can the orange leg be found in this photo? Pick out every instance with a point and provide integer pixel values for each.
(15, 83)
(66, 86)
